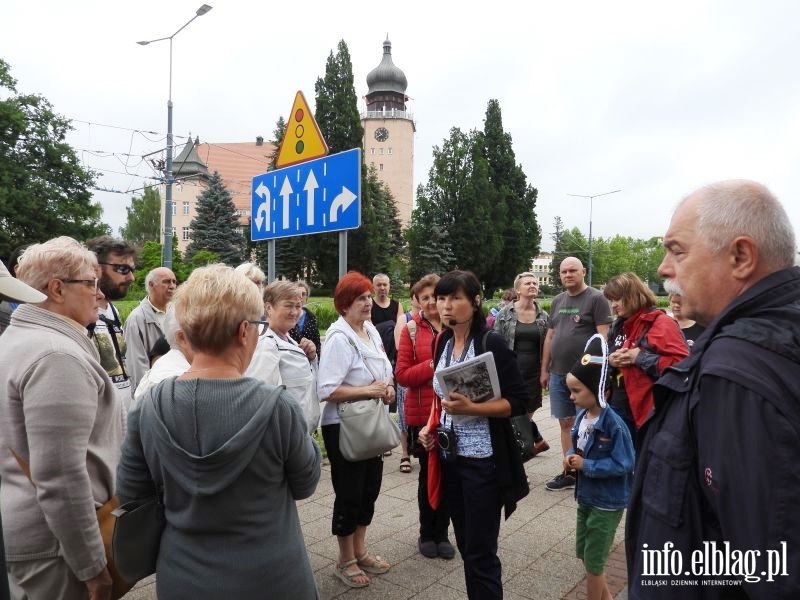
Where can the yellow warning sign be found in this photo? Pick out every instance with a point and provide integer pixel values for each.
(302, 139)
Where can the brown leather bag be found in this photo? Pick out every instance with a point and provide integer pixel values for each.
(106, 521)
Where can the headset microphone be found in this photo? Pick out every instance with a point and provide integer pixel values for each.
(453, 322)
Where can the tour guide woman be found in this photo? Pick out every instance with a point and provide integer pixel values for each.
(353, 367)
(486, 474)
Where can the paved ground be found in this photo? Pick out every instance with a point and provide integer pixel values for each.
(536, 544)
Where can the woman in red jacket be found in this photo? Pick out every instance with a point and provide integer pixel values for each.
(643, 341)
(414, 370)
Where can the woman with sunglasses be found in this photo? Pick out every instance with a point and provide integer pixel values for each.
(61, 421)
(229, 453)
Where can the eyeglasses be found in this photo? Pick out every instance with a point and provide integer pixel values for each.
(262, 326)
(87, 282)
(122, 269)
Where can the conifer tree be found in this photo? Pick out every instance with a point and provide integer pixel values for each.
(517, 227)
(216, 225)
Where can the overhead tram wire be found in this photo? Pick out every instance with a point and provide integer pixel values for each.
(139, 131)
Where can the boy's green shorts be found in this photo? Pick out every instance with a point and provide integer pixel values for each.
(594, 536)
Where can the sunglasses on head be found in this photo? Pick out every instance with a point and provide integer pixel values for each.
(119, 268)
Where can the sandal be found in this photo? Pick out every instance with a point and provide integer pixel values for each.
(349, 578)
(376, 564)
(405, 464)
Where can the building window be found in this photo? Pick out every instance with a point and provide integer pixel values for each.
(372, 151)
(390, 151)
(174, 208)
(174, 231)
(380, 151)
(185, 234)
(186, 206)
(380, 167)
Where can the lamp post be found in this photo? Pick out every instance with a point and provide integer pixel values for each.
(591, 199)
(166, 255)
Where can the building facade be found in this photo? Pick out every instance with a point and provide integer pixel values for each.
(541, 268)
(237, 164)
(389, 132)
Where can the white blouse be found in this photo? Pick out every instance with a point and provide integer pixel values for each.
(347, 360)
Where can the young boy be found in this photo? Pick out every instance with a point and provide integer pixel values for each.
(602, 454)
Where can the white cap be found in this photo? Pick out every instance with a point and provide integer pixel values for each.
(17, 291)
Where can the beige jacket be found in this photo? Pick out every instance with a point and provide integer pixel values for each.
(60, 413)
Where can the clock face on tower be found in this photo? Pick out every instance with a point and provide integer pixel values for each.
(381, 134)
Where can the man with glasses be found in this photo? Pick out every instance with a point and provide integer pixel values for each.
(145, 324)
(117, 259)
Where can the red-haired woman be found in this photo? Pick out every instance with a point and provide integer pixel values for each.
(353, 366)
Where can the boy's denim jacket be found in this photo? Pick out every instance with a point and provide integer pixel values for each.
(607, 475)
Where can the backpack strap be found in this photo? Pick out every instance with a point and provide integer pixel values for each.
(411, 325)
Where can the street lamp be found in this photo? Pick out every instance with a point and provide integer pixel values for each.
(166, 255)
(591, 199)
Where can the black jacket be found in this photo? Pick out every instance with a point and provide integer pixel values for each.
(508, 463)
(720, 458)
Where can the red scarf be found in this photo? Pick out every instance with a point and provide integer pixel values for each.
(434, 466)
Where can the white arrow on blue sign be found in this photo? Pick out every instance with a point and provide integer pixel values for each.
(311, 197)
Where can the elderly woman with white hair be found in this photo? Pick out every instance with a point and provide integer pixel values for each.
(253, 272)
(175, 362)
(61, 421)
(279, 360)
(230, 455)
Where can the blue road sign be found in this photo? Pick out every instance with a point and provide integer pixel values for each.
(311, 197)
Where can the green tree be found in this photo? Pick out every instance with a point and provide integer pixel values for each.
(144, 218)
(216, 226)
(556, 235)
(428, 243)
(458, 199)
(515, 202)
(44, 191)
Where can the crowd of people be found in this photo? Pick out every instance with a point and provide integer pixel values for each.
(209, 395)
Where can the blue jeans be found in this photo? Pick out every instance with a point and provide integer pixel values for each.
(561, 407)
(473, 495)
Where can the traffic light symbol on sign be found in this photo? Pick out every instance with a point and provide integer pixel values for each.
(302, 139)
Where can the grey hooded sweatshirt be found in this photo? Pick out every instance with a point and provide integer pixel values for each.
(232, 456)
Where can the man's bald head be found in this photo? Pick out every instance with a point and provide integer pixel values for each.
(572, 273)
(571, 260)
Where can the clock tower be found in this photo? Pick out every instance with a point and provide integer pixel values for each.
(389, 132)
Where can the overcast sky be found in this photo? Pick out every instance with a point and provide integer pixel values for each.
(655, 99)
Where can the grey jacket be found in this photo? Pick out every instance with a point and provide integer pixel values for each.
(506, 324)
(59, 411)
(232, 456)
(141, 331)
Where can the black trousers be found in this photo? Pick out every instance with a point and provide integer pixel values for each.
(472, 493)
(433, 524)
(355, 483)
